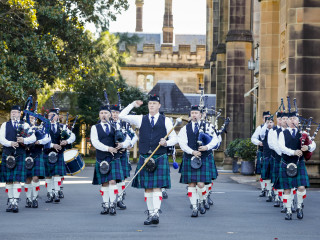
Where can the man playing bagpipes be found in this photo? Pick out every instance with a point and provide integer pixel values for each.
(108, 170)
(197, 168)
(14, 135)
(293, 172)
(35, 166)
(256, 140)
(156, 175)
(53, 155)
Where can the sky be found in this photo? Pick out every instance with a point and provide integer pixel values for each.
(189, 17)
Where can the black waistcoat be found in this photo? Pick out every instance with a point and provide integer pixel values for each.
(106, 139)
(293, 143)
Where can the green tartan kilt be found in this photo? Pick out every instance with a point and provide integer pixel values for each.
(286, 182)
(267, 167)
(160, 178)
(126, 166)
(38, 169)
(115, 173)
(259, 163)
(17, 174)
(57, 168)
(276, 168)
(205, 173)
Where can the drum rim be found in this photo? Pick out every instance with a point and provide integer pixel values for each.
(75, 173)
(73, 157)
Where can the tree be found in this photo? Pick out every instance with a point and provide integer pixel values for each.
(42, 41)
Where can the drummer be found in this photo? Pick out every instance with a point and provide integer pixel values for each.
(108, 171)
(55, 167)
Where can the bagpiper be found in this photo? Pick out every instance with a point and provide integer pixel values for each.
(14, 135)
(153, 128)
(197, 169)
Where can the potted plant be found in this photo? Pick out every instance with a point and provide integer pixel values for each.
(246, 150)
(231, 151)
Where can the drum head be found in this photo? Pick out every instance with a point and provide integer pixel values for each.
(52, 157)
(196, 162)
(70, 154)
(104, 167)
(10, 162)
(151, 165)
(29, 162)
(292, 170)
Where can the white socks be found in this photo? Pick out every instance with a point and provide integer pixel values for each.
(262, 184)
(16, 192)
(105, 195)
(113, 191)
(28, 190)
(49, 185)
(9, 190)
(287, 202)
(193, 196)
(300, 197)
(280, 194)
(268, 186)
(157, 198)
(201, 192)
(121, 186)
(57, 184)
(35, 189)
(148, 198)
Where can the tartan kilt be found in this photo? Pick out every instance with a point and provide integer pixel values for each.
(57, 168)
(115, 173)
(38, 169)
(160, 178)
(17, 174)
(126, 166)
(286, 182)
(215, 169)
(276, 168)
(259, 164)
(205, 174)
(267, 167)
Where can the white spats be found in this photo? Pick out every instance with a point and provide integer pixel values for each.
(280, 194)
(28, 190)
(193, 196)
(300, 197)
(268, 186)
(35, 189)
(16, 192)
(262, 184)
(113, 191)
(9, 190)
(201, 192)
(121, 186)
(49, 185)
(287, 202)
(57, 184)
(148, 198)
(157, 199)
(105, 195)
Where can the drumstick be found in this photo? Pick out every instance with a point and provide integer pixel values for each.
(178, 122)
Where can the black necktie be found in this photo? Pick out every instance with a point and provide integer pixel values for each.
(107, 129)
(293, 132)
(152, 121)
(53, 128)
(196, 128)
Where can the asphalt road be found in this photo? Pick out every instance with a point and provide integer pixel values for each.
(238, 213)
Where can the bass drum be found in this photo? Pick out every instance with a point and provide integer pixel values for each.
(73, 161)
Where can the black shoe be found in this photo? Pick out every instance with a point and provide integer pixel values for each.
(263, 193)
(35, 203)
(121, 205)
(28, 203)
(148, 221)
(56, 198)
(15, 208)
(206, 205)
(293, 209)
(269, 199)
(60, 194)
(155, 218)
(194, 212)
(299, 213)
(164, 195)
(288, 216)
(202, 208)
(284, 209)
(277, 204)
(49, 198)
(105, 209)
(9, 208)
(209, 200)
(112, 209)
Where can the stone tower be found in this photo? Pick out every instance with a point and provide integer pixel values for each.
(139, 15)
(167, 28)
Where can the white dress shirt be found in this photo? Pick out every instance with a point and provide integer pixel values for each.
(289, 151)
(44, 140)
(99, 145)
(137, 120)
(255, 137)
(183, 140)
(7, 143)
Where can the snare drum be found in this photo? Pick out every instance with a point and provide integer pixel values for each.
(73, 161)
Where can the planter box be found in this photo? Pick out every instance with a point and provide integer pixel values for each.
(247, 167)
